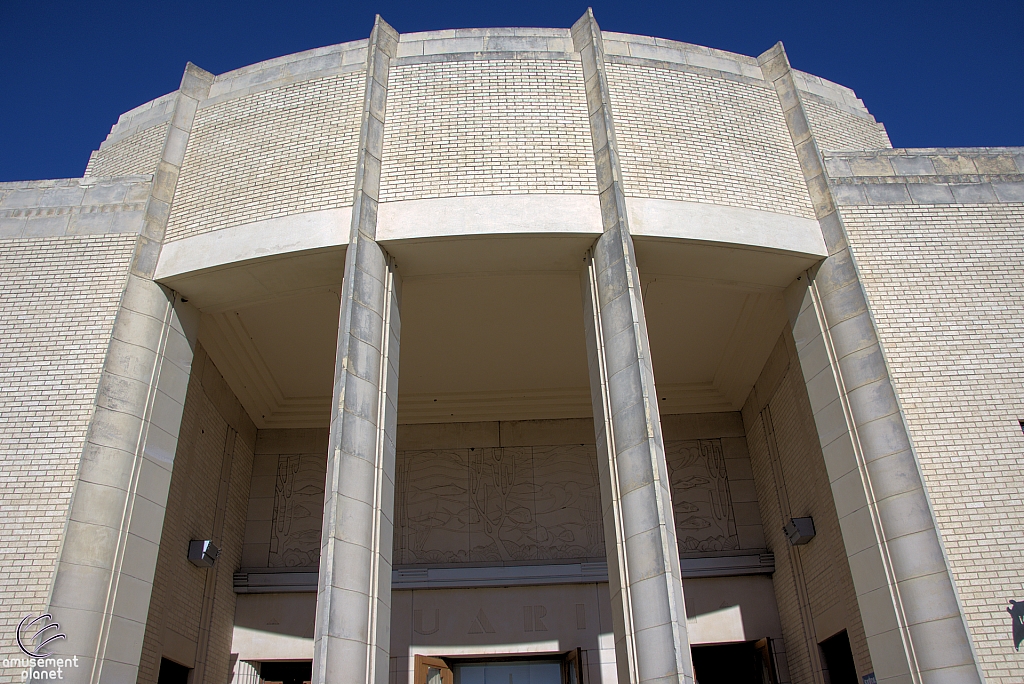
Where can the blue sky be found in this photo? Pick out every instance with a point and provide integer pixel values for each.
(937, 74)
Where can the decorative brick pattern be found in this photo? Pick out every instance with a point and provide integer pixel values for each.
(278, 152)
(495, 127)
(949, 322)
(132, 155)
(835, 129)
(177, 600)
(58, 304)
(796, 485)
(691, 137)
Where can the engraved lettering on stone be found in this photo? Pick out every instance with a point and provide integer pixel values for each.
(700, 496)
(539, 612)
(417, 622)
(533, 619)
(481, 624)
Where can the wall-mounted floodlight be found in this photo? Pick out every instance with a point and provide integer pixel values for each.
(799, 530)
(202, 553)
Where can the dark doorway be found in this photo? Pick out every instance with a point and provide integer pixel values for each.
(287, 672)
(172, 673)
(728, 664)
(838, 660)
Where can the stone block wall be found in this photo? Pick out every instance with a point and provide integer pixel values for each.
(698, 137)
(813, 586)
(484, 112)
(286, 150)
(188, 608)
(61, 285)
(843, 128)
(486, 127)
(949, 323)
(135, 142)
(130, 155)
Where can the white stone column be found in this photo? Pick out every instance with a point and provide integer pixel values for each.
(648, 614)
(911, 614)
(353, 615)
(104, 579)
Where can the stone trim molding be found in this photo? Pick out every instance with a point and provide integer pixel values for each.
(298, 580)
(926, 176)
(87, 206)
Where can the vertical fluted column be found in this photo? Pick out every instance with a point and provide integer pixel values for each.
(353, 615)
(911, 615)
(648, 614)
(104, 579)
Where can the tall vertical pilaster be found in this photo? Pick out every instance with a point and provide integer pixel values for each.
(104, 579)
(353, 614)
(911, 615)
(648, 613)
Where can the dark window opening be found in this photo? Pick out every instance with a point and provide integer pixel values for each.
(286, 671)
(745, 663)
(172, 673)
(837, 660)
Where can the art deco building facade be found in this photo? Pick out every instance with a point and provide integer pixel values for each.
(538, 355)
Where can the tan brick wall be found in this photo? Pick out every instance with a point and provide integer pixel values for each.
(134, 154)
(486, 127)
(283, 151)
(835, 129)
(949, 320)
(177, 600)
(58, 301)
(813, 586)
(697, 138)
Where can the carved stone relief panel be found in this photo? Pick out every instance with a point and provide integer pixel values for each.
(432, 507)
(700, 496)
(568, 500)
(298, 511)
(502, 510)
(498, 505)
(504, 505)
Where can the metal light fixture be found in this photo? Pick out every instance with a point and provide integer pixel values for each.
(202, 553)
(799, 530)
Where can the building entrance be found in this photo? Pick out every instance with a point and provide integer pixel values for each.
(531, 670)
(743, 663)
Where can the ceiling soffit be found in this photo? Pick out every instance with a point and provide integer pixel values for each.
(493, 329)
